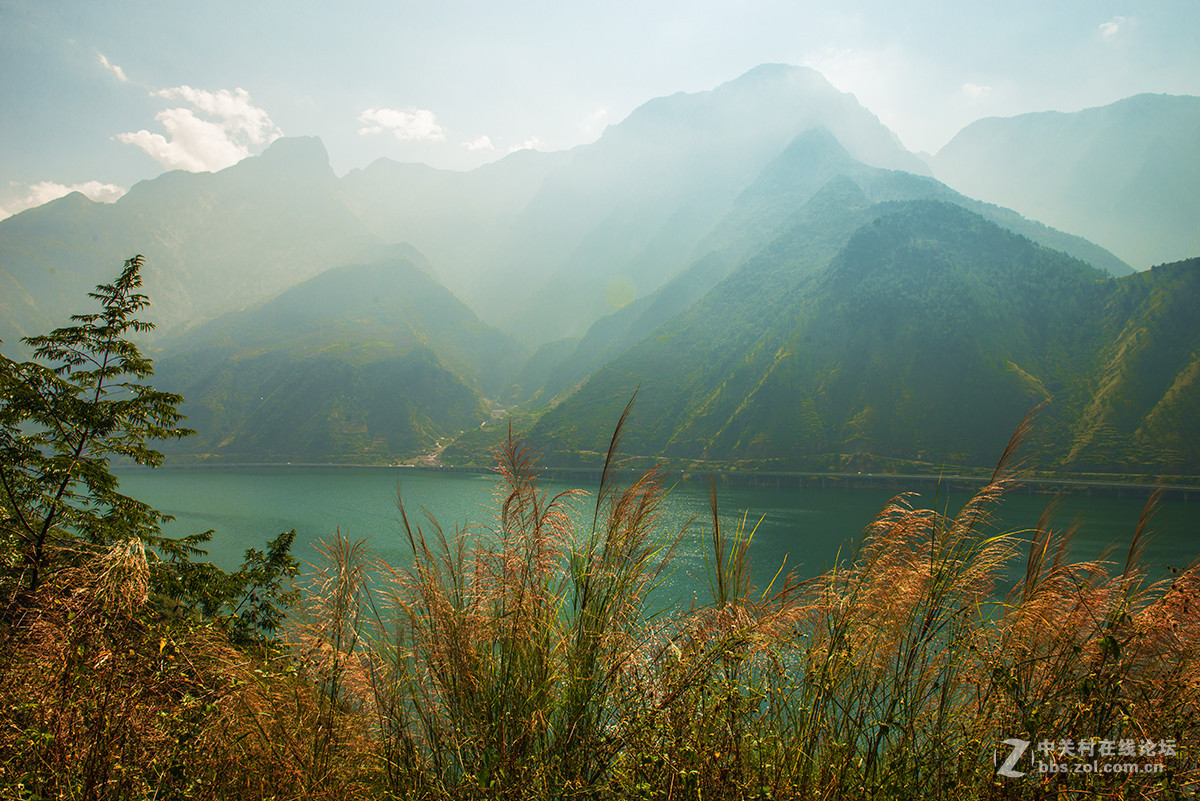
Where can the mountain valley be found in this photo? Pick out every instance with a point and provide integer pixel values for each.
(800, 293)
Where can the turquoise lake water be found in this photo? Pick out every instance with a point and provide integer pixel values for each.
(246, 506)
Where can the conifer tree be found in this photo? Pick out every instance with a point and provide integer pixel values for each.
(64, 416)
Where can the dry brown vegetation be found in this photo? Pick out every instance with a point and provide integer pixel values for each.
(519, 661)
(107, 695)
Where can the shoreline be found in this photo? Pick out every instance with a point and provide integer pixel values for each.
(799, 480)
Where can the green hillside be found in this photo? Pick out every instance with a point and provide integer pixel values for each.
(777, 200)
(363, 363)
(913, 333)
(1145, 391)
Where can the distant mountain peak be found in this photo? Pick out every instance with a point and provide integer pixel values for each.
(772, 102)
(296, 148)
(68, 203)
(289, 158)
(783, 73)
(1124, 175)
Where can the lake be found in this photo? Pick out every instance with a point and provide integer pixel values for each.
(246, 506)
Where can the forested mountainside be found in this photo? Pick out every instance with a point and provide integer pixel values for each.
(362, 363)
(794, 292)
(916, 333)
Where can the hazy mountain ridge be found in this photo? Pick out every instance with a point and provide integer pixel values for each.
(364, 362)
(924, 338)
(1126, 175)
(685, 247)
(533, 239)
(632, 205)
(213, 242)
(529, 239)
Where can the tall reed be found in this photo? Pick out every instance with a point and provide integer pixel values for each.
(103, 695)
(499, 661)
(520, 659)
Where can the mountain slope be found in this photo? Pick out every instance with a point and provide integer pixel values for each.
(1146, 390)
(923, 338)
(361, 363)
(628, 209)
(1126, 175)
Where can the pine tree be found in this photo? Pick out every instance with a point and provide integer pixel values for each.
(82, 402)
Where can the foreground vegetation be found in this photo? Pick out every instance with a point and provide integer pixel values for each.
(521, 660)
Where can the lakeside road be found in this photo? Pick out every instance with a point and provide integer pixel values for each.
(857, 480)
(792, 479)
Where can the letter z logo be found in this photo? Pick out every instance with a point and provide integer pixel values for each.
(1018, 750)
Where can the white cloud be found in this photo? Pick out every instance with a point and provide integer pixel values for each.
(480, 143)
(974, 91)
(113, 68)
(407, 125)
(194, 144)
(593, 125)
(45, 191)
(230, 126)
(1110, 29)
(234, 109)
(532, 143)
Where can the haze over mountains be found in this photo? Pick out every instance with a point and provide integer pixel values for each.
(362, 362)
(908, 334)
(1126, 176)
(788, 286)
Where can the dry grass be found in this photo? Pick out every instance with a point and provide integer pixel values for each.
(519, 660)
(104, 697)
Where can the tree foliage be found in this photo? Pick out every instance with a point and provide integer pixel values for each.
(82, 402)
(65, 416)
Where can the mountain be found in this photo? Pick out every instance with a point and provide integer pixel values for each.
(779, 197)
(364, 362)
(733, 251)
(1141, 402)
(457, 219)
(213, 242)
(755, 217)
(917, 334)
(623, 215)
(50, 256)
(1126, 175)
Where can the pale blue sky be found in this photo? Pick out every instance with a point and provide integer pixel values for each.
(111, 92)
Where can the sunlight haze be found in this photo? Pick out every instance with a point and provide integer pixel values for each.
(102, 95)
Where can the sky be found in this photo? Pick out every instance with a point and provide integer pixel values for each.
(97, 95)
